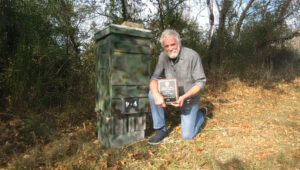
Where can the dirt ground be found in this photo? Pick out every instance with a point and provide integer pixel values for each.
(250, 127)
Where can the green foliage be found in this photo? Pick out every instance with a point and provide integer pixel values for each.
(259, 51)
(40, 63)
(119, 11)
(256, 48)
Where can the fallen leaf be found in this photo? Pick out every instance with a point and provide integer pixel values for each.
(181, 146)
(167, 162)
(96, 142)
(149, 164)
(150, 153)
(122, 162)
(93, 157)
(200, 149)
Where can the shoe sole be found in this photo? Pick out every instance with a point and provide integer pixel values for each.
(151, 143)
(156, 143)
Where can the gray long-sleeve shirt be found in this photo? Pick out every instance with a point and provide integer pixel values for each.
(187, 69)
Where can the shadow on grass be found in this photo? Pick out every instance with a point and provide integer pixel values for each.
(140, 151)
(23, 133)
(234, 163)
(172, 117)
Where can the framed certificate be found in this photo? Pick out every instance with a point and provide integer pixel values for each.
(168, 88)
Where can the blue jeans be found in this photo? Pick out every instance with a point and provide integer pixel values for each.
(191, 119)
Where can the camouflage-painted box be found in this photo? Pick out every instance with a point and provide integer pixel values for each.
(116, 131)
(122, 70)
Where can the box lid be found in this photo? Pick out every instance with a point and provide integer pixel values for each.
(121, 29)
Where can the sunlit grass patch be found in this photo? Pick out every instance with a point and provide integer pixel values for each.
(296, 89)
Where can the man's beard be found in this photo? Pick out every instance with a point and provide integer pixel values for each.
(173, 54)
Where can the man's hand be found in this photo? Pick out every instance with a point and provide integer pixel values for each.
(179, 102)
(159, 100)
(193, 91)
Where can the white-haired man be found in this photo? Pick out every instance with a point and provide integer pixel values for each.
(185, 65)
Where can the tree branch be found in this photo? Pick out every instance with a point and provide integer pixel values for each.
(176, 5)
(160, 11)
(295, 33)
(163, 14)
(102, 14)
(218, 6)
(282, 10)
(241, 19)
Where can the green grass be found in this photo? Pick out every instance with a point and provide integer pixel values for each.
(296, 89)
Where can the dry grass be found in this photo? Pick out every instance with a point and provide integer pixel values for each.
(252, 128)
(255, 127)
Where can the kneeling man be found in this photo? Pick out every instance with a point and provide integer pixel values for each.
(185, 65)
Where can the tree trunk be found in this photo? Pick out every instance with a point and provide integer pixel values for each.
(161, 16)
(211, 19)
(124, 10)
(241, 19)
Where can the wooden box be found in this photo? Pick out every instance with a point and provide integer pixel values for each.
(122, 77)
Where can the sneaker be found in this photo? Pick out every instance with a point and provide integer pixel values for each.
(204, 111)
(158, 137)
